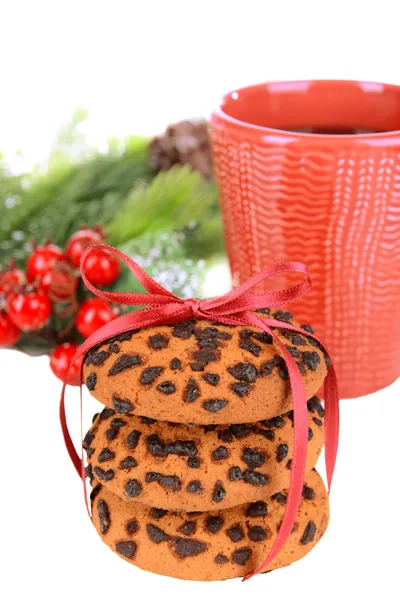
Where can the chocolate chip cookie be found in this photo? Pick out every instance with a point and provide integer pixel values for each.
(202, 372)
(195, 467)
(210, 545)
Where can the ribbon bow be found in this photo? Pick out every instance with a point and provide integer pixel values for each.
(234, 308)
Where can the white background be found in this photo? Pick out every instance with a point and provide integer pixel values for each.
(137, 66)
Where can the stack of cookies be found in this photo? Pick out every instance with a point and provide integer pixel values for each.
(190, 459)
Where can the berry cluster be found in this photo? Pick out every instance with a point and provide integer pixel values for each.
(51, 287)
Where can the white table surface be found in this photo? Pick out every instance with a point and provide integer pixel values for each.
(50, 549)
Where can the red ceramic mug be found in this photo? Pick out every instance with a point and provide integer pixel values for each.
(310, 171)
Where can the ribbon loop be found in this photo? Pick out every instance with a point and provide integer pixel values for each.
(235, 308)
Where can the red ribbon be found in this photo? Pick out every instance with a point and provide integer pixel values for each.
(234, 308)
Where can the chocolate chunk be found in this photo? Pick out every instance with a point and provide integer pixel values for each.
(125, 361)
(96, 358)
(289, 464)
(156, 534)
(193, 463)
(235, 533)
(128, 463)
(182, 448)
(147, 420)
(301, 368)
(185, 547)
(255, 478)
(235, 474)
(281, 315)
(221, 453)
(133, 488)
(214, 406)
(175, 364)
(311, 360)
(89, 472)
(213, 524)
(257, 533)
(282, 452)
(188, 528)
(91, 381)
(246, 372)
(105, 455)
(264, 337)
(257, 509)
(221, 559)
(241, 389)
(314, 405)
(117, 423)
(294, 337)
(131, 527)
(263, 311)
(156, 446)
(225, 436)
(194, 487)
(197, 366)
(158, 341)
(309, 533)
(280, 498)
(295, 352)
(328, 360)
(168, 482)
(212, 378)
(192, 391)
(205, 356)
(133, 438)
(212, 332)
(127, 549)
(241, 430)
(307, 328)
(308, 493)
(150, 374)
(277, 422)
(245, 334)
(158, 513)
(251, 347)
(267, 367)
(241, 556)
(219, 492)
(104, 516)
(113, 348)
(106, 413)
(310, 434)
(95, 492)
(104, 475)
(125, 336)
(183, 330)
(88, 439)
(111, 434)
(166, 387)
(253, 458)
(317, 421)
(122, 407)
(267, 433)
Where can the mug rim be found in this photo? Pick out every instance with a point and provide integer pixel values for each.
(220, 114)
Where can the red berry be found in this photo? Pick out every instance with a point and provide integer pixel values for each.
(42, 259)
(11, 279)
(60, 360)
(28, 309)
(79, 241)
(101, 267)
(93, 314)
(58, 285)
(9, 333)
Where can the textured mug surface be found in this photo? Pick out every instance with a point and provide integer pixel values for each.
(310, 171)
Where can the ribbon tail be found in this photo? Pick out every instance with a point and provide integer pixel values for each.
(332, 421)
(66, 435)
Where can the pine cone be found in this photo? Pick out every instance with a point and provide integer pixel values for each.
(183, 143)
